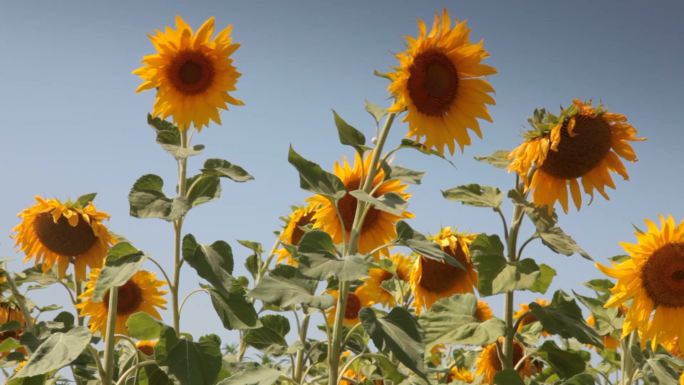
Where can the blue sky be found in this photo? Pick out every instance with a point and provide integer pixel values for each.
(72, 123)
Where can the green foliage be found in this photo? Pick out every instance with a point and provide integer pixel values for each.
(262, 375)
(403, 174)
(418, 243)
(147, 200)
(143, 326)
(224, 169)
(202, 189)
(57, 351)
(313, 178)
(508, 377)
(349, 135)
(270, 337)
(285, 287)
(168, 137)
(390, 202)
(375, 111)
(563, 317)
(122, 262)
(195, 363)
(498, 159)
(475, 195)
(565, 363)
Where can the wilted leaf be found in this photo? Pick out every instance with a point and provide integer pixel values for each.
(498, 159)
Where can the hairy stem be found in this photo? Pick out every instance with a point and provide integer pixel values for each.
(511, 249)
(178, 231)
(299, 360)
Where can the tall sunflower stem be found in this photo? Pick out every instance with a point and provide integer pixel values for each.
(626, 361)
(351, 247)
(78, 289)
(299, 360)
(178, 231)
(110, 339)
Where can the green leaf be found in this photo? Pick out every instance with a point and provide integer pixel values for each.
(284, 288)
(224, 169)
(560, 242)
(349, 135)
(258, 376)
(543, 218)
(271, 335)
(397, 332)
(508, 377)
(84, 200)
(390, 202)
(167, 340)
(475, 195)
(452, 320)
(564, 317)
(58, 350)
(212, 262)
(123, 260)
(35, 380)
(203, 189)
(233, 308)
(407, 236)
(143, 326)
(408, 143)
(9, 344)
(147, 200)
(607, 319)
(581, 379)
(168, 137)
(565, 363)
(153, 375)
(313, 178)
(404, 174)
(323, 266)
(196, 363)
(663, 373)
(498, 159)
(600, 285)
(316, 242)
(376, 111)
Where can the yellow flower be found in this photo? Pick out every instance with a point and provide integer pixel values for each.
(52, 232)
(379, 226)
(292, 233)
(483, 312)
(432, 279)
(351, 313)
(371, 291)
(146, 346)
(142, 292)
(9, 313)
(192, 73)
(583, 142)
(440, 81)
(529, 317)
(488, 363)
(460, 374)
(651, 283)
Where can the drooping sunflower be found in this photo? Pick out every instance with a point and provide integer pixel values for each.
(192, 73)
(529, 318)
(292, 233)
(583, 142)
(440, 82)
(142, 292)
(371, 291)
(10, 313)
(432, 279)
(351, 313)
(52, 232)
(379, 226)
(488, 363)
(146, 346)
(651, 283)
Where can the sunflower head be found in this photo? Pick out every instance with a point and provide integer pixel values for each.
(355, 303)
(651, 283)
(431, 279)
(483, 312)
(192, 72)
(293, 231)
(440, 83)
(528, 317)
(488, 363)
(142, 292)
(9, 312)
(56, 233)
(378, 226)
(146, 347)
(583, 142)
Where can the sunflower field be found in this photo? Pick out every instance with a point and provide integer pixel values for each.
(350, 290)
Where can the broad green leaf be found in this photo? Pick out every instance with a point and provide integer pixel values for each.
(168, 137)
(9, 344)
(203, 189)
(143, 326)
(663, 373)
(407, 236)
(233, 308)
(600, 285)
(271, 335)
(408, 143)
(376, 111)
(565, 363)
(167, 340)
(404, 174)
(313, 178)
(256, 247)
(316, 242)
(196, 363)
(498, 159)
(607, 319)
(224, 169)
(453, 320)
(581, 379)
(147, 200)
(389, 369)
(564, 317)
(153, 375)
(285, 290)
(508, 377)
(58, 350)
(123, 260)
(258, 376)
(349, 135)
(212, 262)
(390, 202)
(560, 242)
(542, 218)
(322, 266)
(475, 195)
(35, 380)
(397, 332)
(84, 200)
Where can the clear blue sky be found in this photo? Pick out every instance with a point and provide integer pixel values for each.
(72, 123)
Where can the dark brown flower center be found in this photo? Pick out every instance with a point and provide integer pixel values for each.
(148, 349)
(353, 306)
(297, 232)
(663, 275)
(579, 154)
(433, 83)
(439, 276)
(191, 72)
(129, 298)
(61, 237)
(347, 207)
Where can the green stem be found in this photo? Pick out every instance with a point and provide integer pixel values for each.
(131, 370)
(78, 289)
(626, 361)
(299, 360)
(178, 231)
(351, 247)
(110, 340)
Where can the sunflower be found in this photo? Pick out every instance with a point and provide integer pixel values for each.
(371, 291)
(10, 313)
(583, 142)
(483, 312)
(146, 347)
(192, 73)
(529, 318)
(142, 292)
(53, 232)
(378, 226)
(432, 279)
(651, 283)
(355, 303)
(488, 363)
(437, 354)
(293, 232)
(440, 82)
